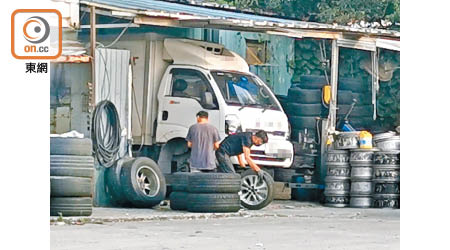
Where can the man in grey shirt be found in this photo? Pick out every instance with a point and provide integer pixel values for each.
(203, 138)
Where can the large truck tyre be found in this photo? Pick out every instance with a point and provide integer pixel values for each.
(142, 182)
(72, 165)
(213, 202)
(70, 146)
(68, 186)
(256, 194)
(178, 200)
(214, 183)
(113, 184)
(71, 206)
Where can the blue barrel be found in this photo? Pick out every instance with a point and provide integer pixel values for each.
(303, 194)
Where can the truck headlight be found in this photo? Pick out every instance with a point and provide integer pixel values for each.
(232, 125)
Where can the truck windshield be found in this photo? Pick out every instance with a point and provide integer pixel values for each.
(244, 90)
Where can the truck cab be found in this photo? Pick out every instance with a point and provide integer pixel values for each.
(207, 76)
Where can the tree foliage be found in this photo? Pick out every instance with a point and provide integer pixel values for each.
(327, 11)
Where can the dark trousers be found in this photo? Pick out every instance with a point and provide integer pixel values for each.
(225, 165)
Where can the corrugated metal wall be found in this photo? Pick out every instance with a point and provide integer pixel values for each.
(276, 72)
(112, 84)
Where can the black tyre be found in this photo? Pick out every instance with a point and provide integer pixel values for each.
(179, 181)
(305, 109)
(256, 194)
(70, 146)
(304, 96)
(67, 186)
(284, 174)
(213, 203)
(178, 200)
(71, 165)
(344, 97)
(113, 185)
(70, 206)
(352, 84)
(311, 82)
(301, 122)
(142, 182)
(214, 183)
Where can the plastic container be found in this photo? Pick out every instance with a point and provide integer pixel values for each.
(365, 140)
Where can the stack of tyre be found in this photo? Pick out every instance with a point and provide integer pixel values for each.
(386, 173)
(361, 117)
(135, 182)
(71, 173)
(304, 105)
(361, 177)
(206, 192)
(337, 181)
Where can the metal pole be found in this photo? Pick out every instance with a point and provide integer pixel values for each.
(93, 43)
(334, 84)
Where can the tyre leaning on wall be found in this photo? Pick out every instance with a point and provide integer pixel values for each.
(71, 172)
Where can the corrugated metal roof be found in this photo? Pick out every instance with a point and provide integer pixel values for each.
(186, 12)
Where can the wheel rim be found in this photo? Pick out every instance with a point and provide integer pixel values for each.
(253, 190)
(148, 181)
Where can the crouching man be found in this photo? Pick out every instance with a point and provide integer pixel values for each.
(239, 145)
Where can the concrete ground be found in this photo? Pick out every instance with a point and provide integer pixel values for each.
(281, 225)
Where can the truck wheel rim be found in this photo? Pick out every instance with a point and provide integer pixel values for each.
(253, 191)
(148, 181)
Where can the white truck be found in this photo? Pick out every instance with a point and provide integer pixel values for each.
(187, 76)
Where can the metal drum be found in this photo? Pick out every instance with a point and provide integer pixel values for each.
(386, 200)
(362, 157)
(359, 188)
(347, 140)
(388, 144)
(361, 201)
(361, 173)
(386, 173)
(387, 157)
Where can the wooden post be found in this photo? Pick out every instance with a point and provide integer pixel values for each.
(93, 43)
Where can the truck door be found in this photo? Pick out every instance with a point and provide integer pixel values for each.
(189, 93)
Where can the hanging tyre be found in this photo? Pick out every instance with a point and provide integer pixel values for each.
(305, 109)
(71, 206)
(67, 186)
(255, 194)
(70, 146)
(305, 96)
(71, 165)
(214, 183)
(142, 182)
(178, 200)
(213, 202)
